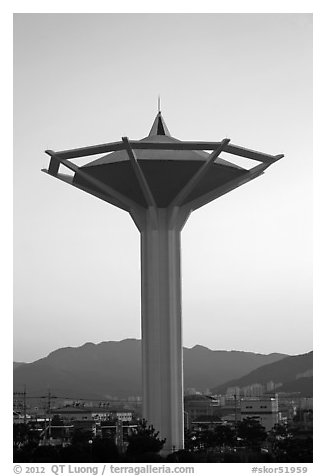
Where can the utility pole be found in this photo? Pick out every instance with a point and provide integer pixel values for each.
(23, 394)
(24, 404)
(235, 407)
(49, 413)
(235, 415)
(49, 397)
(119, 435)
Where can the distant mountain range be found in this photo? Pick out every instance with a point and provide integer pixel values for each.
(114, 369)
(18, 364)
(291, 374)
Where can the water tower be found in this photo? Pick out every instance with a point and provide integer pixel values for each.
(159, 181)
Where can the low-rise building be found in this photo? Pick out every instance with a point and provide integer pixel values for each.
(264, 409)
(208, 422)
(71, 413)
(198, 406)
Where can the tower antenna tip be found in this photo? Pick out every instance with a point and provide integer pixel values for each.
(159, 103)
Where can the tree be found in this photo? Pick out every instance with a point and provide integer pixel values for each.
(144, 440)
(105, 451)
(291, 445)
(25, 438)
(81, 437)
(251, 432)
(57, 421)
(75, 454)
(20, 434)
(191, 440)
(221, 436)
(45, 454)
(276, 435)
(295, 449)
(225, 436)
(206, 439)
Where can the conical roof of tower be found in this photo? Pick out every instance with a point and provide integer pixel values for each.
(159, 133)
(159, 128)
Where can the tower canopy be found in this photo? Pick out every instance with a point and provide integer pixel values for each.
(166, 171)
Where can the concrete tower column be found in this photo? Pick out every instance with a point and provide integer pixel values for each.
(162, 360)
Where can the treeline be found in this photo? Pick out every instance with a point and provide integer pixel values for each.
(248, 442)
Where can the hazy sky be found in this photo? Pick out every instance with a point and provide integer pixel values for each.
(84, 79)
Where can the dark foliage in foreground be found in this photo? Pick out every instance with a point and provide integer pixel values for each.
(248, 443)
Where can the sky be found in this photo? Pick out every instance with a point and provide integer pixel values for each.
(84, 79)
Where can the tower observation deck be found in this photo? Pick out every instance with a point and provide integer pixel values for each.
(159, 181)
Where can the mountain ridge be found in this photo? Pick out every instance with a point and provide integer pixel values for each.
(113, 368)
(289, 374)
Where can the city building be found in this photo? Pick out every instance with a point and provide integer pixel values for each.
(208, 422)
(232, 391)
(253, 390)
(71, 413)
(264, 409)
(198, 406)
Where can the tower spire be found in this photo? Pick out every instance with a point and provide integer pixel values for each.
(159, 127)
